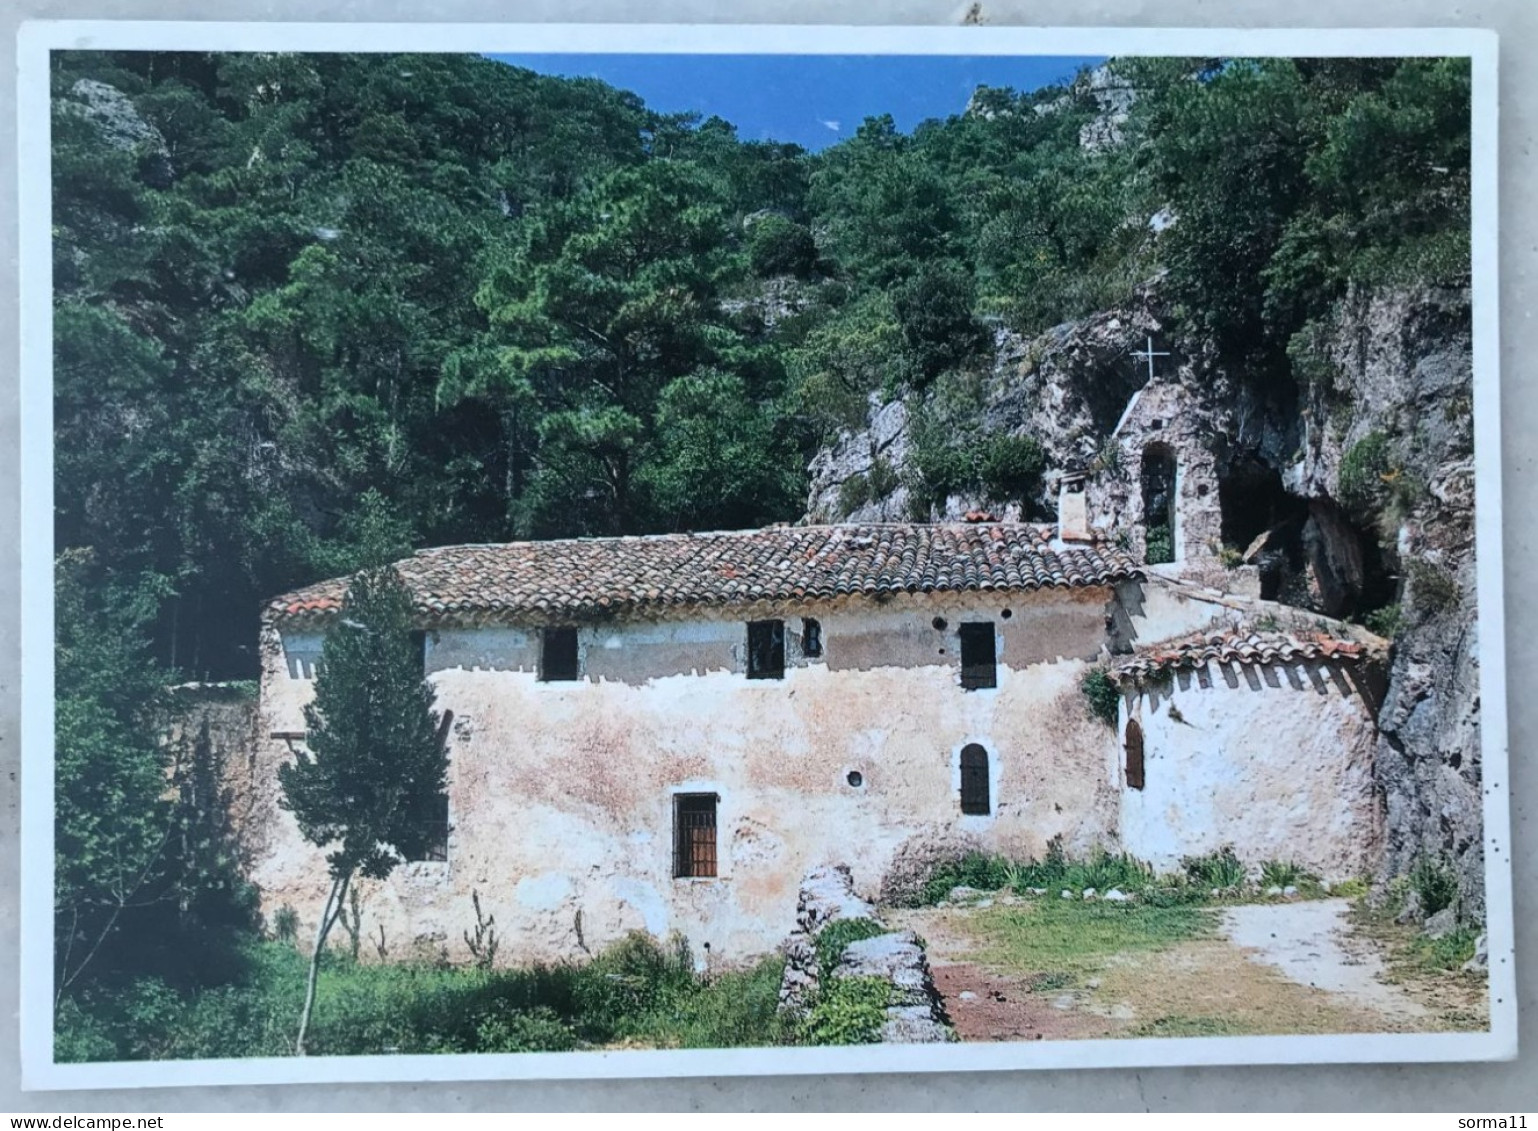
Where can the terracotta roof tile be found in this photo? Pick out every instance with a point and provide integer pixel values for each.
(612, 576)
(1243, 647)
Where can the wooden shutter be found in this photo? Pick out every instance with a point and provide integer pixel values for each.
(979, 667)
(558, 654)
(766, 649)
(1134, 748)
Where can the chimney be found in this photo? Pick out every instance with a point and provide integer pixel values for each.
(1072, 508)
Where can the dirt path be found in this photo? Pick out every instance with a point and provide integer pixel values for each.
(1288, 968)
(1310, 944)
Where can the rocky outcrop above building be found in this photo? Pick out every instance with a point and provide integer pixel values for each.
(1351, 495)
(1388, 429)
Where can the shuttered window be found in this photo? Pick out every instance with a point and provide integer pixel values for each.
(1134, 747)
(974, 781)
(694, 835)
(978, 665)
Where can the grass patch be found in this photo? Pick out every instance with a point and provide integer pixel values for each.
(639, 992)
(1221, 870)
(1181, 1025)
(1447, 953)
(1071, 938)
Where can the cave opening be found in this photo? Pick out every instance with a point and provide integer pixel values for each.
(1158, 482)
(1263, 522)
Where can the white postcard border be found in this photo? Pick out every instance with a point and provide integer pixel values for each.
(37, 39)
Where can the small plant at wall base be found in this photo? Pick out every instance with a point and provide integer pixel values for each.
(1221, 869)
(1434, 883)
(1158, 546)
(848, 1011)
(1102, 695)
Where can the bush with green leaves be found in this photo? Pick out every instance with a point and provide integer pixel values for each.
(778, 245)
(1221, 869)
(1102, 696)
(1363, 472)
(848, 1011)
(1010, 467)
(1435, 883)
(1431, 589)
(853, 493)
(1158, 545)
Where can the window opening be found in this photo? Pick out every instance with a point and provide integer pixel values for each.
(979, 665)
(811, 638)
(974, 781)
(1158, 480)
(766, 649)
(694, 835)
(558, 654)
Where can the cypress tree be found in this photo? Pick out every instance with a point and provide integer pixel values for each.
(371, 788)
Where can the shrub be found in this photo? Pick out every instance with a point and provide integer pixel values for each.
(1284, 874)
(1434, 881)
(1102, 695)
(853, 493)
(1386, 621)
(1362, 471)
(780, 246)
(848, 1011)
(1220, 869)
(1431, 590)
(1010, 467)
(881, 479)
(285, 924)
(1158, 546)
(837, 935)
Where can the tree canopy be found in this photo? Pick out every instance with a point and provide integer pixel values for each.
(307, 304)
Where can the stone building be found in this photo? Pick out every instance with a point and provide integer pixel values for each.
(666, 733)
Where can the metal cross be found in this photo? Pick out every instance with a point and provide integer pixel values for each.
(1149, 354)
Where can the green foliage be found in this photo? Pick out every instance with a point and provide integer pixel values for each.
(1101, 871)
(637, 992)
(848, 1011)
(1010, 467)
(1285, 874)
(1101, 695)
(881, 478)
(1363, 472)
(1386, 621)
(370, 786)
(853, 493)
(1435, 883)
(780, 246)
(285, 924)
(1449, 952)
(935, 321)
(1221, 869)
(1431, 589)
(837, 935)
(1158, 545)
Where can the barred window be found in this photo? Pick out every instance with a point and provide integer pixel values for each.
(694, 835)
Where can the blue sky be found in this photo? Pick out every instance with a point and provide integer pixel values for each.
(813, 100)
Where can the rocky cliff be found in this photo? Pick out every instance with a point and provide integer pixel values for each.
(1348, 490)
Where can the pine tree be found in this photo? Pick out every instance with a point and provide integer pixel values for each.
(371, 787)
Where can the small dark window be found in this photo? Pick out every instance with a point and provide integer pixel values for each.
(974, 781)
(694, 835)
(419, 648)
(1134, 746)
(766, 649)
(855, 779)
(558, 654)
(811, 638)
(978, 665)
(434, 827)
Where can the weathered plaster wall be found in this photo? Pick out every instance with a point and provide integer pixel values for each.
(1276, 761)
(561, 793)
